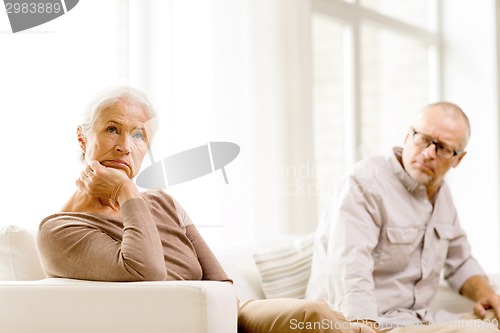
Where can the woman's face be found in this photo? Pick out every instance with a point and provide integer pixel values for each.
(118, 138)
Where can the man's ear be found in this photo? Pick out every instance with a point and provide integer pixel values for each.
(459, 159)
(407, 136)
(81, 139)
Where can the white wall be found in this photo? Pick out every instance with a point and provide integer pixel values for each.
(249, 97)
(47, 75)
(470, 80)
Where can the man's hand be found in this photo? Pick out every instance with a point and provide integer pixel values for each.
(479, 290)
(486, 303)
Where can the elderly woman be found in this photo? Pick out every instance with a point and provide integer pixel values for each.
(109, 231)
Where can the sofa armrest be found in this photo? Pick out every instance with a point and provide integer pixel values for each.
(65, 305)
(449, 300)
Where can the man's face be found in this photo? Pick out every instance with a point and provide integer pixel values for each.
(422, 163)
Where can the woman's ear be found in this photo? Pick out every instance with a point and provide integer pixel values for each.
(81, 139)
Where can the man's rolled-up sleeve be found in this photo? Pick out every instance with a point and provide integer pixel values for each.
(460, 265)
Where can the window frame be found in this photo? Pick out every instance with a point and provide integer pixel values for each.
(352, 15)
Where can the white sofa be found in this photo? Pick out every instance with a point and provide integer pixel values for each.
(239, 263)
(31, 303)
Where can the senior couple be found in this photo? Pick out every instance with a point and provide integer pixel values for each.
(379, 252)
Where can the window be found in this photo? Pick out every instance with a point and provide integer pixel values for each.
(328, 90)
(414, 12)
(394, 84)
(375, 64)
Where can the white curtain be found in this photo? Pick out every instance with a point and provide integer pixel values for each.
(217, 70)
(238, 71)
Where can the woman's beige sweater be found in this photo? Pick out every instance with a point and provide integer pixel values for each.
(154, 240)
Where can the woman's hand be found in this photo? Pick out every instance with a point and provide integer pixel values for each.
(99, 181)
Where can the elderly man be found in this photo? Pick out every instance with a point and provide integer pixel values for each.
(392, 229)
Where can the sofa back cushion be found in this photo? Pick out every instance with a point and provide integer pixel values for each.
(285, 268)
(239, 265)
(19, 258)
(275, 267)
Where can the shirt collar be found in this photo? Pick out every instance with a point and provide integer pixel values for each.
(408, 182)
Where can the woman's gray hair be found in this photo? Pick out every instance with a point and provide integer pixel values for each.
(109, 97)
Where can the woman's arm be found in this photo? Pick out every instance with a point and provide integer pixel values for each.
(83, 246)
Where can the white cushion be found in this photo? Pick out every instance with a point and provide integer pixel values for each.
(238, 264)
(285, 269)
(19, 258)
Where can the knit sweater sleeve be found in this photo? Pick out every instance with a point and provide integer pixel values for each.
(71, 247)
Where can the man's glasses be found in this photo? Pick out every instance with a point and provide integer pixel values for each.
(425, 141)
